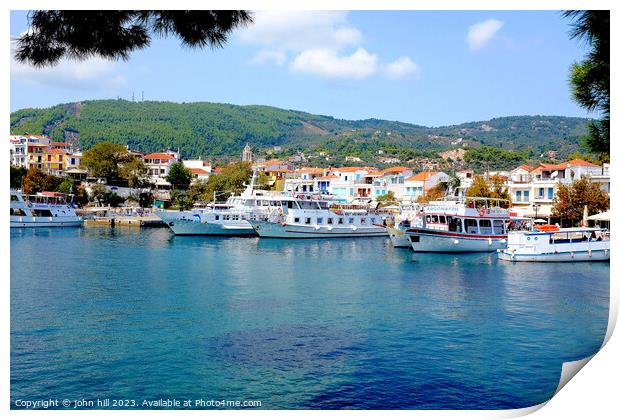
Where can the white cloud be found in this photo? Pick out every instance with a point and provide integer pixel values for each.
(300, 30)
(481, 33)
(269, 56)
(94, 73)
(322, 43)
(400, 68)
(326, 62)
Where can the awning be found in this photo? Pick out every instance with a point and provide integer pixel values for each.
(605, 216)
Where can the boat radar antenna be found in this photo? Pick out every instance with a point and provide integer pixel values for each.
(249, 188)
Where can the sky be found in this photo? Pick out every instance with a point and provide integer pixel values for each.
(430, 68)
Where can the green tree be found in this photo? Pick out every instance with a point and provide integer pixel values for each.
(17, 175)
(589, 79)
(179, 176)
(104, 159)
(571, 199)
(97, 192)
(54, 34)
(134, 171)
(199, 192)
(386, 199)
(66, 186)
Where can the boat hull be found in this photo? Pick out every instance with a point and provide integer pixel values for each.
(398, 238)
(35, 222)
(446, 242)
(189, 227)
(277, 230)
(577, 256)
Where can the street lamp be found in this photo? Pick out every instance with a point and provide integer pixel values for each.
(536, 206)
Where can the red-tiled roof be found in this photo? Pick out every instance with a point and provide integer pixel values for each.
(422, 176)
(396, 169)
(198, 171)
(349, 169)
(579, 162)
(57, 151)
(162, 156)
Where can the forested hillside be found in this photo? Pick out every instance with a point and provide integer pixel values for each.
(210, 129)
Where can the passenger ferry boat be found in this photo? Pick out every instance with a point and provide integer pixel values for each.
(407, 217)
(319, 218)
(470, 224)
(229, 219)
(560, 245)
(44, 209)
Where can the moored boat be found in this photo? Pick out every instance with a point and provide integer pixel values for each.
(406, 217)
(44, 209)
(560, 245)
(471, 224)
(318, 218)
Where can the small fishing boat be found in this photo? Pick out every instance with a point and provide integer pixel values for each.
(470, 224)
(44, 209)
(557, 245)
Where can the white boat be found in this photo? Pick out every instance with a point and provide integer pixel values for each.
(562, 245)
(44, 209)
(229, 219)
(320, 218)
(406, 217)
(470, 224)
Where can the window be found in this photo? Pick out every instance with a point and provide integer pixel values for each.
(550, 193)
(17, 212)
(518, 196)
(330, 221)
(541, 192)
(471, 226)
(42, 213)
(319, 220)
(363, 220)
(498, 227)
(454, 224)
(217, 217)
(340, 221)
(526, 196)
(435, 218)
(485, 226)
(296, 220)
(308, 220)
(372, 220)
(442, 219)
(351, 220)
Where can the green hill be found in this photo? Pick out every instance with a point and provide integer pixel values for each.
(221, 130)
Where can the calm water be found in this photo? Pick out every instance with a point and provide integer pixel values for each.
(100, 313)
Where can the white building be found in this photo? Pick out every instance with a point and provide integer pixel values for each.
(420, 183)
(159, 164)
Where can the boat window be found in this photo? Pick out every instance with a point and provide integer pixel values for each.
(17, 212)
(217, 217)
(42, 213)
(498, 227)
(363, 220)
(296, 220)
(560, 238)
(351, 220)
(485, 226)
(340, 221)
(235, 217)
(319, 220)
(454, 224)
(226, 217)
(429, 219)
(442, 219)
(330, 221)
(471, 226)
(14, 198)
(372, 220)
(308, 220)
(435, 218)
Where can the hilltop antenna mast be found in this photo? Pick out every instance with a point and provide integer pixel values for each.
(142, 96)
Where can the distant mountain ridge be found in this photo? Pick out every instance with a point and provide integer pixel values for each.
(218, 130)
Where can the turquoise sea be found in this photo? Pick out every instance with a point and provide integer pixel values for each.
(99, 313)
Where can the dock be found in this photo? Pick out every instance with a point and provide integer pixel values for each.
(130, 221)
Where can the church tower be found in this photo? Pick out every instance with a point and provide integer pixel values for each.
(246, 156)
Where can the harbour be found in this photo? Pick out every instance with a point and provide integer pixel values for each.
(329, 323)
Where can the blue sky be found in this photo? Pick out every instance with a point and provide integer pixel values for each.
(423, 67)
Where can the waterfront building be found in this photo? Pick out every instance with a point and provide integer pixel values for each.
(54, 161)
(158, 165)
(418, 184)
(532, 190)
